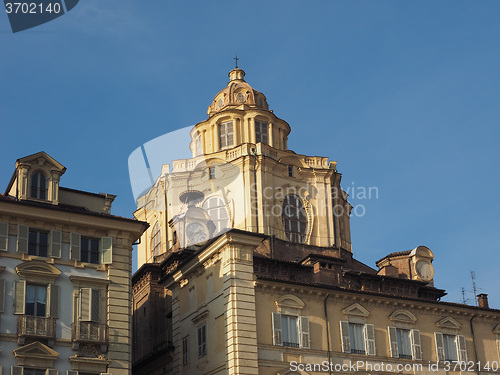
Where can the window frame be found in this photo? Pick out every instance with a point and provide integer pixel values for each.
(302, 330)
(156, 243)
(185, 351)
(202, 340)
(39, 192)
(97, 255)
(35, 248)
(226, 134)
(219, 214)
(294, 223)
(37, 288)
(261, 132)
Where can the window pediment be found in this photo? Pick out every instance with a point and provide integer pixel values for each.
(289, 304)
(497, 329)
(357, 310)
(403, 316)
(449, 322)
(36, 354)
(36, 270)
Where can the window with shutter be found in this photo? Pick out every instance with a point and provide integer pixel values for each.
(304, 332)
(53, 291)
(416, 346)
(393, 342)
(106, 249)
(4, 236)
(462, 348)
(439, 345)
(55, 243)
(2, 295)
(344, 333)
(217, 210)
(90, 304)
(22, 238)
(450, 346)
(404, 343)
(19, 297)
(15, 370)
(74, 246)
(369, 333)
(277, 329)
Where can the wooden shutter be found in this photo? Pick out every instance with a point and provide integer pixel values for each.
(439, 346)
(51, 372)
(106, 249)
(2, 295)
(369, 339)
(22, 238)
(19, 297)
(344, 333)
(277, 329)
(4, 236)
(305, 336)
(85, 298)
(416, 345)
(53, 298)
(14, 370)
(393, 342)
(55, 243)
(94, 305)
(462, 348)
(74, 247)
(230, 134)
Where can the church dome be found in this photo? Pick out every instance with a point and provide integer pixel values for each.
(237, 94)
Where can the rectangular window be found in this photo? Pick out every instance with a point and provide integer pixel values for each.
(357, 338)
(90, 305)
(404, 343)
(36, 300)
(202, 340)
(211, 172)
(185, 357)
(89, 250)
(38, 243)
(450, 348)
(32, 371)
(261, 132)
(290, 171)
(226, 135)
(291, 330)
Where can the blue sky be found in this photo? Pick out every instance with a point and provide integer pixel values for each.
(404, 95)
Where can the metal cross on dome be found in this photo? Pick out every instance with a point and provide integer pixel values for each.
(236, 58)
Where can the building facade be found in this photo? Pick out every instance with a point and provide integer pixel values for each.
(65, 267)
(247, 267)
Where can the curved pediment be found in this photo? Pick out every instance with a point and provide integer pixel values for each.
(38, 271)
(289, 304)
(356, 309)
(449, 322)
(403, 316)
(497, 329)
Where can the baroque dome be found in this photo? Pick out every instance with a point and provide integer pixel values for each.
(237, 94)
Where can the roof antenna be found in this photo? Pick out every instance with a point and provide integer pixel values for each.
(474, 289)
(236, 58)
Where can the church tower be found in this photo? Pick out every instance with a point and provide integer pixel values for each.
(242, 175)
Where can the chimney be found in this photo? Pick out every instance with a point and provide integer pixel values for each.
(482, 301)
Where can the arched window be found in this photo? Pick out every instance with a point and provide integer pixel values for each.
(217, 210)
(38, 186)
(294, 219)
(156, 240)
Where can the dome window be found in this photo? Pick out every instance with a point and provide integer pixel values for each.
(294, 219)
(226, 134)
(261, 132)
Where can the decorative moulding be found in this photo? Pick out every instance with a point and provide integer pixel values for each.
(357, 310)
(403, 316)
(449, 323)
